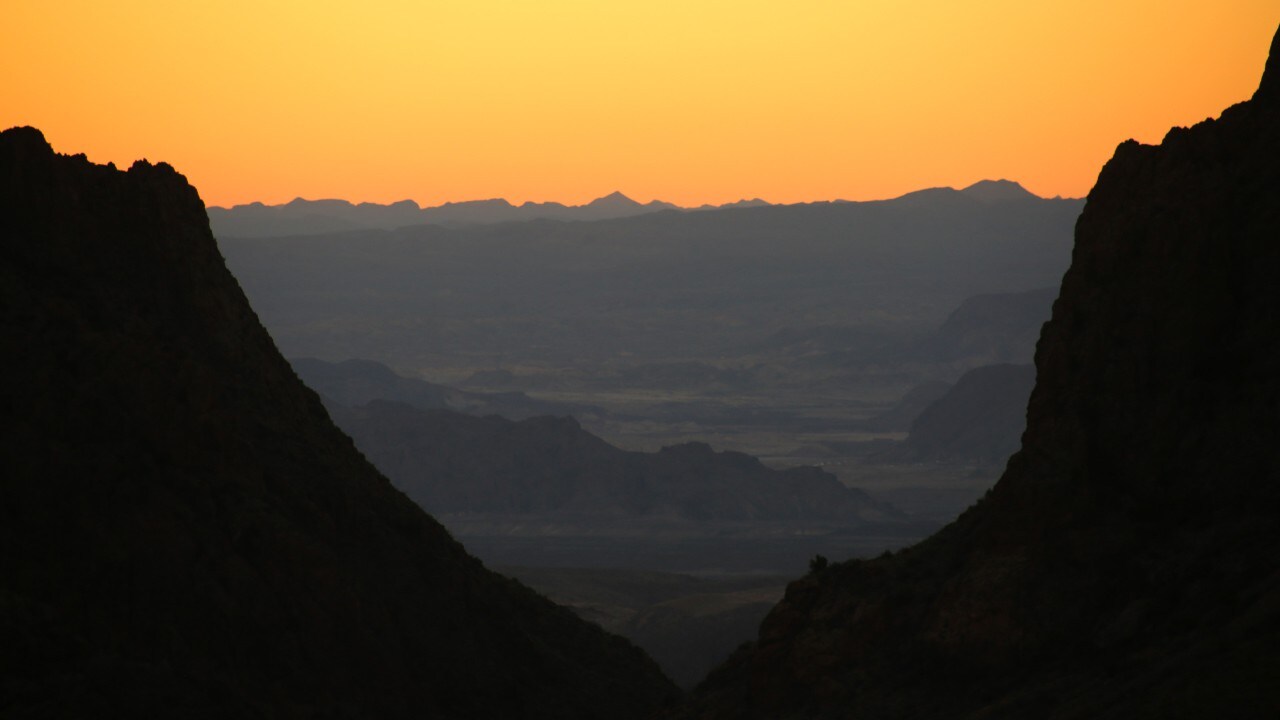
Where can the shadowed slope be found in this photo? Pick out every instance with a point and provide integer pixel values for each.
(1124, 566)
(182, 530)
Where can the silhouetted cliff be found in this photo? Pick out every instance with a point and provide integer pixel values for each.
(183, 532)
(1124, 566)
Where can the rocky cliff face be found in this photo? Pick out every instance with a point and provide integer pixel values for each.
(183, 532)
(1124, 566)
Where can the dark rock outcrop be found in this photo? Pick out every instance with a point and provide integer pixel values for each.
(184, 533)
(1124, 566)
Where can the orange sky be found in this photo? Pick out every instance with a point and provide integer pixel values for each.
(567, 100)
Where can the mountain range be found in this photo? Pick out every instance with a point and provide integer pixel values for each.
(353, 383)
(309, 217)
(745, 327)
(659, 286)
(549, 468)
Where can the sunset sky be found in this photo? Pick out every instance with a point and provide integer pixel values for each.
(689, 101)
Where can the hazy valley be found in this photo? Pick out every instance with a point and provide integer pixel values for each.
(683, 345)
(639, 461)
(786, 332)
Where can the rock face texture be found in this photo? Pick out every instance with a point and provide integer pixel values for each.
(184, 533)
(1125, 565)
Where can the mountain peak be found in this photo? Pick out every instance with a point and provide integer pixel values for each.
(994, 191)
(486, 203)
(614, 199)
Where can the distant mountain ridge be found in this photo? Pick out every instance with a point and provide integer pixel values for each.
(304, 217)
(299, 216)
(550, 467)
(997, 191)
(356, 382)
(657, 286)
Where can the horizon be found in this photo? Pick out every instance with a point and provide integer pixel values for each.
(696, 105)
(626, 196)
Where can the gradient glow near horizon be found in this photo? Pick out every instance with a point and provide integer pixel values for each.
(690, 102)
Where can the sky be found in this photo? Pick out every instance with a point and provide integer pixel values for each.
(691, 102)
